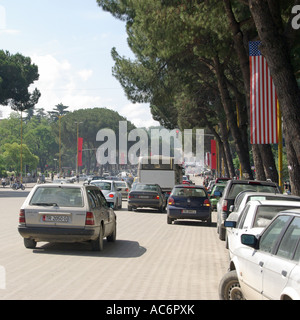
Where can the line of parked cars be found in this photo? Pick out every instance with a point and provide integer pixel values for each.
(261, 230)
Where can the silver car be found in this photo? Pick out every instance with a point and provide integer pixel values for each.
(110, 191)
(123, 185)
(66, 213)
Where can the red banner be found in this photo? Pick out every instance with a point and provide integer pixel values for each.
(213, 150)
(79, 155)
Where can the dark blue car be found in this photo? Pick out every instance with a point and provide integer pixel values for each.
(188, 202)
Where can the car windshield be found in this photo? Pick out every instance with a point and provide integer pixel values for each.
(237, 188)
(146, 187)
(189, 192)
(58, 196)
(102, 185)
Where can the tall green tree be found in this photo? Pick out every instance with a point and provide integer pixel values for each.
(90, 121)
(11, 156)
(17, 74)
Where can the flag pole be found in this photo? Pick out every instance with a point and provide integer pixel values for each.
(280, 182)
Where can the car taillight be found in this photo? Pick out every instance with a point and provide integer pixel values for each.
(206, 203)
(156, 197)
(22, 216)
(224, 205)
(111, 195)
(89, 219)
(171, 201)
(126, 189)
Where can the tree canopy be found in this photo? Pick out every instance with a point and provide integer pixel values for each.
(192, 66)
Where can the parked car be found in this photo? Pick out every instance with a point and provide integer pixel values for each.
(255, 217)
(232, 189)
(189, 202)
(244, 197)
(143, 195)
(216, 191)
(110, 191)
(267, 266)
(123, 185)
(66, 213)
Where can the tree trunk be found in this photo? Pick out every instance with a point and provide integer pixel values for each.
(243, 154)
(260, 162)
(293, 166)
(227, 152)
(268, 162)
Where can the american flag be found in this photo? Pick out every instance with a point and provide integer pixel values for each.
(263, 99)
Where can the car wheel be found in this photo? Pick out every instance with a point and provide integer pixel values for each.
(208, 221)
(112, 237)
(97, 244)
(169, 220)
(222, 232)
(229, 288)
(29, 243)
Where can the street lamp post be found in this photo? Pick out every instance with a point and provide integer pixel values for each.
(59, 142)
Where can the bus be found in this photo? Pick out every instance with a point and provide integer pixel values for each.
(160, 170)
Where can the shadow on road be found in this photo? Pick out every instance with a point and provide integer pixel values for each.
(194, 223)
(118, 249)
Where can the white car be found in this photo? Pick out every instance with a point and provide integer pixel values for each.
(255, 217)
(110, 191)
(243, 197)
(123, 185)
(266, 267)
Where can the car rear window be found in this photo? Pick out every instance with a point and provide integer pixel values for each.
(189, 192)
(237, 188)
(102, 185)
(146, 187)
(265, 214)
(63, 197)
(120, 184)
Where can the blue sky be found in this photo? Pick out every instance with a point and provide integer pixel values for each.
(70, 41)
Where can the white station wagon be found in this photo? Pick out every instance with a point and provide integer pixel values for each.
(267, 266)
(66, 213)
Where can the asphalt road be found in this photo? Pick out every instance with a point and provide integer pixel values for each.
(150, 260)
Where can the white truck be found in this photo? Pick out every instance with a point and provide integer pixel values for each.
(160, 170)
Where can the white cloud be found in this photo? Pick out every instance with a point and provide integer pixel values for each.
(59, 83)
(139, 114)
(85, 74)
(9, 31)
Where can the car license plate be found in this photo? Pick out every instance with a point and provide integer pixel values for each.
(189, 211)
(144, 197)
(55, 218)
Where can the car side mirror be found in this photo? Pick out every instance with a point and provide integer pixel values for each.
(249, 240)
